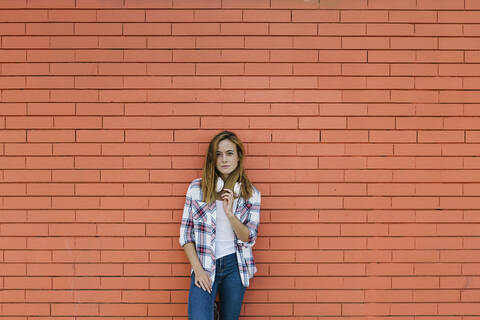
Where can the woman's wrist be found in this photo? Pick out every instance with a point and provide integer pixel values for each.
(197, 269)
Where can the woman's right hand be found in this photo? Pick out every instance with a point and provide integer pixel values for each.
(202, 280)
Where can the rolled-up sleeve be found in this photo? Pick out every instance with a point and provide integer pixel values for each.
(186, 226)
(253, 219)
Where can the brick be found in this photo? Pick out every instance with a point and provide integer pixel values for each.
(13, 55)
(148, 4)
(147, 29)
(74, 69)
(439, 56)
(85, 122)
(289, 4)
(197, 4)
(414, 43)
(49, 162)
(390, 83)
(49, 28)
(98, 28)
(23, 15)
(353, 69)
(244, 83)
(99, 82)
(150, 136)
(390, 29)
(364, 16)
(173, 15)
(63, 309)
(269, 15)
(457, 308)
(366, 43)
(28, 149)
(367, 256)
(247, 4)
(13, 136)
(50, 55)
(315, 16)
(440, 30)
(59, 15)
(391, 4)
(388, 296)
(120, 15)
(295, 136)
(342, 55)
(365, 96)
(195, 82)
(196, 55)
(222, 42)
(27, 283)
(186, 69)
(457, 43)
(71, 42)
(268, 69)
(119, 42)
(216, 16)
(414, 70)
(12, 82)
(317, 42)
(13, 4)
(293, 82)
(343, 4)
(293, 29)
(24, 309)
(258, 42)
(444, 4)
(148, 55)
(50, 269)
(12, 29)
(341, 29)
(391, 56)
(99, 4)
(25, 69)
(471, 4)
(166, 42)
(306, 309)
(51, 136)
(416, 16)
(244, 56)
(414, 308)
(244, 28)
(27, 42)
(49, 82)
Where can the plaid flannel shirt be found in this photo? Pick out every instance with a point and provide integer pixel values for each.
(198, 226)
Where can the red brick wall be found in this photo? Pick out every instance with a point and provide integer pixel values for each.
(361, 122)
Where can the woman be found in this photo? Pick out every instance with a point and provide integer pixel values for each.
(218, 229)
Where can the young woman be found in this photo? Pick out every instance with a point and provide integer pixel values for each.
(218, 229)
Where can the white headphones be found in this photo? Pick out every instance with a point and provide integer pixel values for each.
(220, 184)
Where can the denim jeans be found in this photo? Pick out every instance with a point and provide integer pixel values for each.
(229, 286)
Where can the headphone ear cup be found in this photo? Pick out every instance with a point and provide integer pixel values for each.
(236, 189)
(219, 185)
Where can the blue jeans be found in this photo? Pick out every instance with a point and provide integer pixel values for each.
(227, 283)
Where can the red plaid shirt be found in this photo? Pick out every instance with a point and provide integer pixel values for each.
(198, 226)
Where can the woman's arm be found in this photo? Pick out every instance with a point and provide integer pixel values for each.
(202, 279)
(238, 227)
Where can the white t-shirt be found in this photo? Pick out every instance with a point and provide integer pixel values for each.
(224, 239)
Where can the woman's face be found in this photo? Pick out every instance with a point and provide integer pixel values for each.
(227, 158)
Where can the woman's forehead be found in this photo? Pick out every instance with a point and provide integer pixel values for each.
(226, 145)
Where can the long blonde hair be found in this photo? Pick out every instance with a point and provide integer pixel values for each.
(210, 172)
